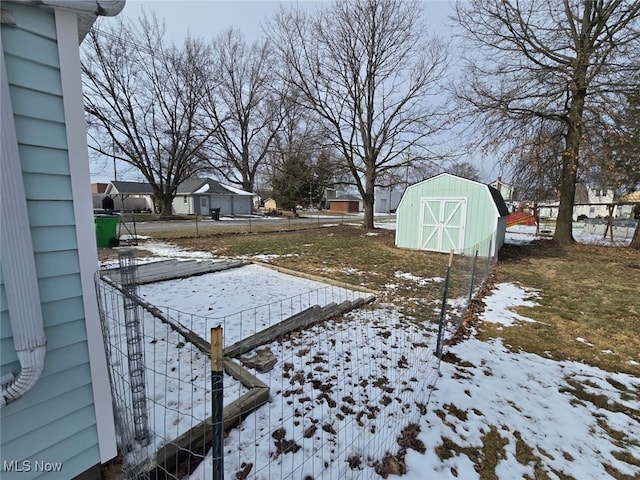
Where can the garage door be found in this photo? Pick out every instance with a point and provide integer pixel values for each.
(442, 224)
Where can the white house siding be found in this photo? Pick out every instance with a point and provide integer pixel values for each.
(183, 205)
(228, 204)
(387, 199)
(56, 420)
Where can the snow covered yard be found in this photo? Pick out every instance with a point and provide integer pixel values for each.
(519, 415)
(495, 413)
(341, 391)
(242, 300)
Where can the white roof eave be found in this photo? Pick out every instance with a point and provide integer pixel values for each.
(87, 10)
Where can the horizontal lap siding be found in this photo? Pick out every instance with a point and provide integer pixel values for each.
(55, 421)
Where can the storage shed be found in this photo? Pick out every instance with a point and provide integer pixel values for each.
(447, 212)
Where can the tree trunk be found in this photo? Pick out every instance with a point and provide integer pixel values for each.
(635, 241)
(166, 207)
(564, 224)
(368, 199)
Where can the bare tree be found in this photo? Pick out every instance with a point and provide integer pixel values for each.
(364, 68)
(144, 103)
(245, 103)
(622, 152)
(557, 61)
(300, 133)
(300, 136)
(535, 162)
(465, 170)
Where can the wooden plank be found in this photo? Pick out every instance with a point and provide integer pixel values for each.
(246, 404)
(174, 269)
(307, 317)
(242, 374)
(268, 333)
(198, 439)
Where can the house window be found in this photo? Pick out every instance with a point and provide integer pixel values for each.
(184, 199)
(203, 201)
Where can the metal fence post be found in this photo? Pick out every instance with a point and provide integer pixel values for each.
(135, 346)
(473, 273)
(216, 399)
(443, 310)
(486, 274)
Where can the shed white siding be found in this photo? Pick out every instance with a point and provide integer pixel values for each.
(446, 212)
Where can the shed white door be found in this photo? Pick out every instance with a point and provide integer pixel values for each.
(442, 224)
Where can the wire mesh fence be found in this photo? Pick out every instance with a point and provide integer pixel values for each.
(325, 384)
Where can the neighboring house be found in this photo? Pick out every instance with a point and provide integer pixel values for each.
(447, 212)
(201, 195)
(592, 201)
(131, 195)
(56, 404)
(346, 204)
(505, 189)
(387, 199)
(589, 201)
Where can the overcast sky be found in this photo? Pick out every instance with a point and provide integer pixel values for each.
(207, 18)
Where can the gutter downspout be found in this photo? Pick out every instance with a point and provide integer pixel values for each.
(17, 261)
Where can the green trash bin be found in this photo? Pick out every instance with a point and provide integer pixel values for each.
(106, 226)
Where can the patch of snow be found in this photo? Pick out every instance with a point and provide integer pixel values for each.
(504, 297)
(582, 340)
(235, 190)
(166, 250)
(524, 397)
(419, 280)
(266, 257)
(243, 300)
(133, 237)
(203, 189)
(523, 234)
(329, 393)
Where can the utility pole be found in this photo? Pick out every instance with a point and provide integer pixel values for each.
(113, 154)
